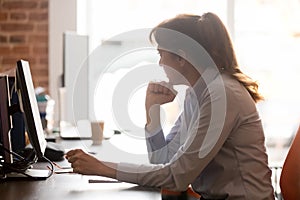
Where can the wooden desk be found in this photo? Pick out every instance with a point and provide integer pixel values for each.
(75, 186)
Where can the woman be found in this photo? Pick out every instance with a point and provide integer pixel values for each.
(217, 143)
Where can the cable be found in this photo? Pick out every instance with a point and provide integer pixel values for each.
(13, 89)
(23, 164)
(52, 166)
(21, 157)
(18, 165)
(11, 152)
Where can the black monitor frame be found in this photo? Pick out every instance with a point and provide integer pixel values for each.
(5, 120)
(29, 107)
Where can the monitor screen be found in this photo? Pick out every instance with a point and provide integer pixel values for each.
(29, 107)
(5, 120)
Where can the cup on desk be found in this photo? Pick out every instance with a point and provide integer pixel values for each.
(97, 132)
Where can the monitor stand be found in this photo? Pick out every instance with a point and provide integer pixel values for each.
(34, 174)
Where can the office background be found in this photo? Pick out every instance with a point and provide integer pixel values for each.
(24, 34)
(266, 34)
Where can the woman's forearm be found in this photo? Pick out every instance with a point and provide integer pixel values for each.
(109, 169)
(153, 119)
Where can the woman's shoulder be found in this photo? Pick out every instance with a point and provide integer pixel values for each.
(227, 87)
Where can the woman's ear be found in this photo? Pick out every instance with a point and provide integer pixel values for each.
(181, 57)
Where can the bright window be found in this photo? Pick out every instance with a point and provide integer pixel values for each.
(268, 45)
(266, 37)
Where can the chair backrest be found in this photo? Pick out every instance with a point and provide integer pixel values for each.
(290, 175)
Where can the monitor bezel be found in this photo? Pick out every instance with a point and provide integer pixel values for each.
(29, 108)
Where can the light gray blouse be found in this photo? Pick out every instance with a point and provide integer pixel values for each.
(217, 145)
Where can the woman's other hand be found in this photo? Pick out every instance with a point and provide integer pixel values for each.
(84, 163)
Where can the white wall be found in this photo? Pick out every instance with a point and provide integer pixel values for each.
(62, 17)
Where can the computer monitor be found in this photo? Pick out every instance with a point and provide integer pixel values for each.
(17, 132)
(5, 120)
(29, 107)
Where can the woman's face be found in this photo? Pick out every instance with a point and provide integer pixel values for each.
(171, 65)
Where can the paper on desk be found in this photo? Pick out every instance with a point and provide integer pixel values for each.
(63, 170)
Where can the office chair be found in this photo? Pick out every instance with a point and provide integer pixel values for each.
(290, 174)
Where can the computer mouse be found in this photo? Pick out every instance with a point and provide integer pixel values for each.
(54, 151)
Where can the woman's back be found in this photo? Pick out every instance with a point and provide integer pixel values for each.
(240, 168)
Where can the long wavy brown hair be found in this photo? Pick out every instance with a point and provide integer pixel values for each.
(209, 31)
